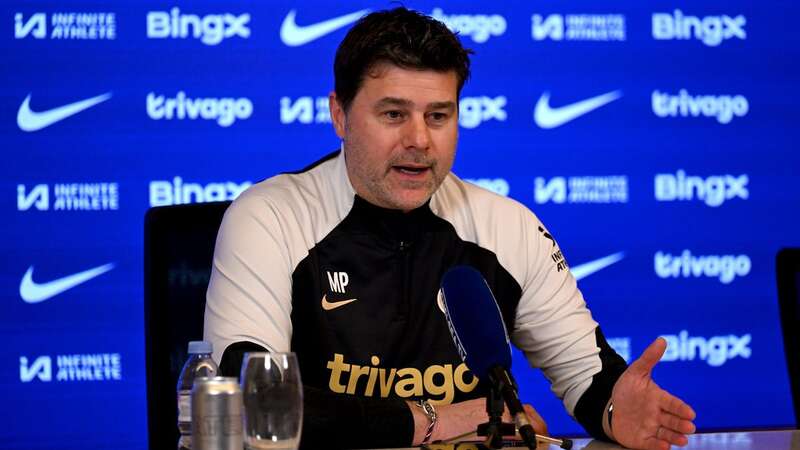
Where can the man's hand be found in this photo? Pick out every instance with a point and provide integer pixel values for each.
(464, 417)
(646, 416)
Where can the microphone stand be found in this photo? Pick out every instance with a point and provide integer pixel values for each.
(503, 389)
(495, 428)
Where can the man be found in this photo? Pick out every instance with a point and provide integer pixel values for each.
(341, 263)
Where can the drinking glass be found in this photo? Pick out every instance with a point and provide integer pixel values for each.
(273, 401)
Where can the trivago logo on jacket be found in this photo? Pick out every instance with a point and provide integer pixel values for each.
(437, 382)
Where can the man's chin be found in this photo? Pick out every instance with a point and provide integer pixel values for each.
(411, 200)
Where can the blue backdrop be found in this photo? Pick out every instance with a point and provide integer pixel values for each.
(657, 141)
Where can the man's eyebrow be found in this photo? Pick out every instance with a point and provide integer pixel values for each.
(442, 105)
(393, 101)
(401, 102)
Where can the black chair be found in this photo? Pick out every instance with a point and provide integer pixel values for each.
(178, 249)
(788, 272)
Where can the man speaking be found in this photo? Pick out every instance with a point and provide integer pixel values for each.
(342, 261)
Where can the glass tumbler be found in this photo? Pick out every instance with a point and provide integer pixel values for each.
(273, 401)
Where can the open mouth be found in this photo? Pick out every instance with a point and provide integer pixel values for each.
(411, 170)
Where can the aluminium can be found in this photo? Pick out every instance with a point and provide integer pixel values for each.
(216, 414)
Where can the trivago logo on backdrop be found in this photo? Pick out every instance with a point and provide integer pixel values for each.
(71, 368)
(478, 27)
(725, 268)
(721, 107)
(224, 111)
(66, 25)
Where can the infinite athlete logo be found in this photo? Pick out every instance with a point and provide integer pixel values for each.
(67, 25)
(73, 367)
(578, 27)
(69, 197)
(583, 189)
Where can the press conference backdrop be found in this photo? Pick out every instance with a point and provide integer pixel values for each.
(656, 140)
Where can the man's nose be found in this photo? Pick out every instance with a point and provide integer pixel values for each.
(416, 133)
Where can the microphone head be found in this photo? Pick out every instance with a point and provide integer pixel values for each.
(475, 322)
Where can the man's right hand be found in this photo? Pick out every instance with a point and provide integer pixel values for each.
(464, 417)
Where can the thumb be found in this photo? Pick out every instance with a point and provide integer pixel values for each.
(650, 357)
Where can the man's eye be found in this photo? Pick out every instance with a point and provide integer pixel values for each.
(393, 115)
(437, 117)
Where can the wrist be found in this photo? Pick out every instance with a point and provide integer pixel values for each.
(433, 418)
(608, 418)
(426, 419)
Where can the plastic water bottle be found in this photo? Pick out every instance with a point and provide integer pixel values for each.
(199, 364)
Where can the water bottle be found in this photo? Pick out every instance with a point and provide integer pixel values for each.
(199, 364)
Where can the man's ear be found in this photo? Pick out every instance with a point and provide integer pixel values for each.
(337, 114)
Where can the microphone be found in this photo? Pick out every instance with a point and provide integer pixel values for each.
(479, 333)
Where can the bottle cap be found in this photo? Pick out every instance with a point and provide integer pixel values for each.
(197, 347)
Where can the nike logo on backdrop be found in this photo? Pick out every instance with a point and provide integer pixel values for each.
(33, 292)
(547, 117)
(29, 120)
(328, 306)
(294, 35)
(586, 269)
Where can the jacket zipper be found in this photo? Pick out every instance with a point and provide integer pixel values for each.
(405, 290)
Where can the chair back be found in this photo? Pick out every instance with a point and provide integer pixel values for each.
(178, 250)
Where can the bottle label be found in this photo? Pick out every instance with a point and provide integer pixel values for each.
(184, 407)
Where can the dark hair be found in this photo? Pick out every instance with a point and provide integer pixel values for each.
(402, 37)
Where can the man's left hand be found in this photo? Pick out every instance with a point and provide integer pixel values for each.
(646, 416)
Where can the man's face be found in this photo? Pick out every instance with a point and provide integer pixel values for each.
(399, 134)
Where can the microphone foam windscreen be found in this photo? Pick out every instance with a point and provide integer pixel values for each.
(475, 321)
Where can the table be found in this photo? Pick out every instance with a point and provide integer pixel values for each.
(736, 440)
(753, 440)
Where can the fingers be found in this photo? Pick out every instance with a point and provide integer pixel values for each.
(651, 356)
(538, 423)
(676, 406)
(676, 424)
(656, 444)
(671, 437)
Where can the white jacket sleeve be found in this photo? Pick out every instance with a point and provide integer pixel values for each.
(553, 327)
(249, 292)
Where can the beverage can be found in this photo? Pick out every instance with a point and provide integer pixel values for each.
(216, 414)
